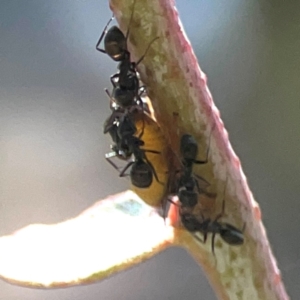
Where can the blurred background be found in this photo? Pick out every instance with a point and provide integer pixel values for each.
(52, 109)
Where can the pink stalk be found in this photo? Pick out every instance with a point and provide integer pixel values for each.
(183, 104)
(122, 231)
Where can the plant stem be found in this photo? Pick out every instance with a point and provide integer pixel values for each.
(183, 104)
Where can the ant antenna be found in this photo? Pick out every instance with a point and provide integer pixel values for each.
(108, 93)
(223, 204)
(103, 34)
(208, 146)
(131, 17)
(111, 99)
(143, 56)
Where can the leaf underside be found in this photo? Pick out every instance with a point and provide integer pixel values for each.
(112, 235)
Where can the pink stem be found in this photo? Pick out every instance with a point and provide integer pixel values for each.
(183, 104)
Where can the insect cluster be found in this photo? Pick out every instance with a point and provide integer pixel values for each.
(127, 105)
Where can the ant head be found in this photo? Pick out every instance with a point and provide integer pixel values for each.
(115, 44)
(141, 174)
(187, 198)
(231, 235)
(190, 222)
(188, 147)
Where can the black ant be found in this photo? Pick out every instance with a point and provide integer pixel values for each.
(121, 130)
(230, 234)
(128, 145)
(126, 102)
(126, 83)
(187, 182)
(120, 133)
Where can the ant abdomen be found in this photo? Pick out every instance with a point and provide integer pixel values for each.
(141, 174)
(115, 43)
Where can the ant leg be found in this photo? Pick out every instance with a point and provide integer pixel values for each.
(198, 239)
(169, 199)
(218, 217)
(139, 106)
(112, 79)
(204, 237)
(223, 204)
(203, 186)
(213, 243)
(164, 205)
(153, 170)
(207, 151)
(144, 104)
(204, 228)
(110, 98)
(151, 151)
(108, 157)
(126, 168)
(201, 162)
(244, 227)
(127, 33)
(108, 93)
(102, 36)
(202, 179)
(110, 123)
(111, 106)
(200, 191)
(143, 56)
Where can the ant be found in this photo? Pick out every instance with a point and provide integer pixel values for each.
(126, 85)
(187, 182)
(121, 130)
(120, 126)
(126, 145)
(125, 104)
(229, 234)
